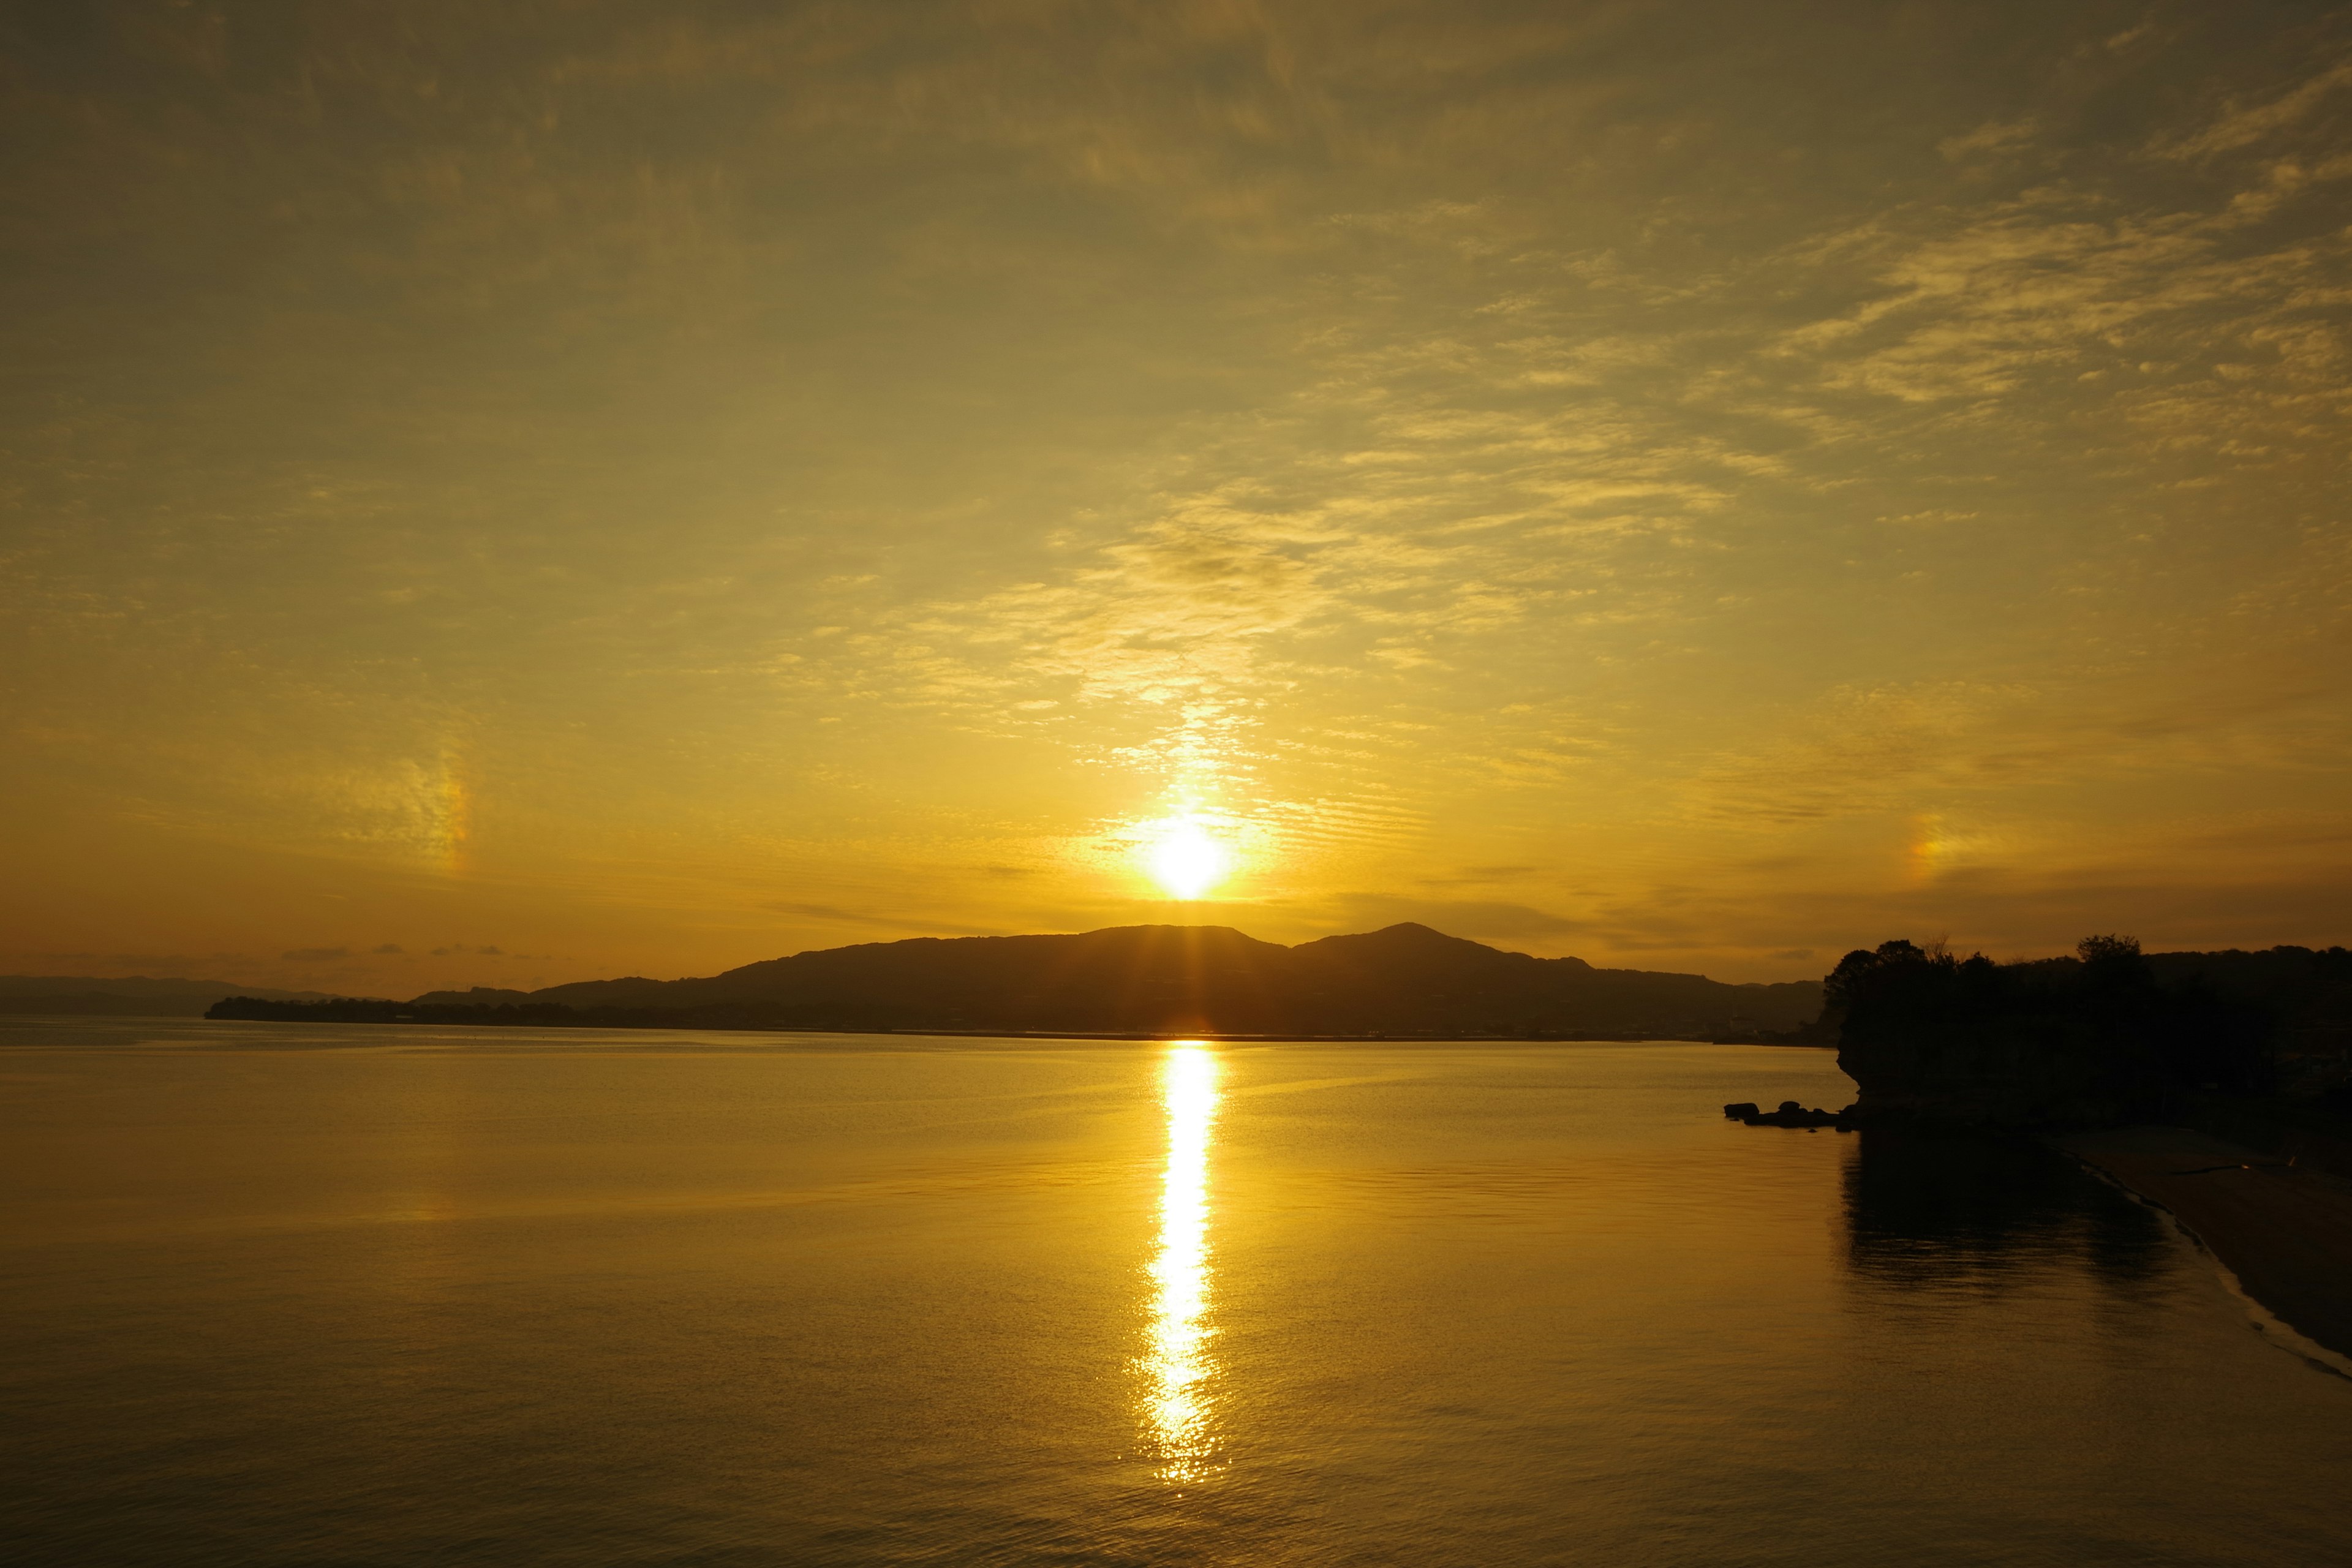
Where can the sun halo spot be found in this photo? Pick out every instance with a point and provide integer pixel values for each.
(1185, 858)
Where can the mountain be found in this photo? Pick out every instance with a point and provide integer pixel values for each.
(136, 996)
(1406, 979)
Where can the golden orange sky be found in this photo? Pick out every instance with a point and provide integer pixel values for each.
(507, 493)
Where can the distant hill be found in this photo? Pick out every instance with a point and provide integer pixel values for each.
(1407, 979)
(480, 996)
(137, 996)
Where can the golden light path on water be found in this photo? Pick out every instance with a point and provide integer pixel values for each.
(1177, 1365)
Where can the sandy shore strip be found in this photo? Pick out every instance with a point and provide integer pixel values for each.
(2286, 1233)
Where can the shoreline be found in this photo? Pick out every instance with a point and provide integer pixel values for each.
(2284, 1234)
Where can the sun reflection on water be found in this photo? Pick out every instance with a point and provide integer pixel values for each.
(1177, 1365)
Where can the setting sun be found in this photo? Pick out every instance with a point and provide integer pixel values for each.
(1185, 858)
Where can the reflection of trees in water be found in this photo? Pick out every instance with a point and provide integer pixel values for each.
(1924, 1209)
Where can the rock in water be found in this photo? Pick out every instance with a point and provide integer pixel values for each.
(1790, 1114)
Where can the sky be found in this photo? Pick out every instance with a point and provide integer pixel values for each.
(503, 494)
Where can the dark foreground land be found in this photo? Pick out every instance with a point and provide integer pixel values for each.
(2214, 1085)
(2284, 1229)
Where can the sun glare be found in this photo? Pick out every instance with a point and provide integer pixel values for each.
(1186, 860)
(1177, 1406)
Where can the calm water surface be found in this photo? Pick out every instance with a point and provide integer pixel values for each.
(277, 1294)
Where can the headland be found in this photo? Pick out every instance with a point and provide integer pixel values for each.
(2216, 1086)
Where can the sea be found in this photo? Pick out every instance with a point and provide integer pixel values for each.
(286, 1294)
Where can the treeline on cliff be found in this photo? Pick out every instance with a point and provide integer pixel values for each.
(2109, 1034)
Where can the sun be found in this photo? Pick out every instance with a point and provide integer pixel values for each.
(1185, 858)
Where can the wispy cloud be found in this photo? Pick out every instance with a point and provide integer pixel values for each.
(829, 914)
(2245, 123)
(619, 465)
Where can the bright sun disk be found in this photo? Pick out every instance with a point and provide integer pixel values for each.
(1186, 861)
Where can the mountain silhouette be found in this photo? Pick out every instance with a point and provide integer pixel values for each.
(135, 997)
(1405, 979)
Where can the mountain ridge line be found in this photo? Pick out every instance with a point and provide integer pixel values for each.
(1151, 979)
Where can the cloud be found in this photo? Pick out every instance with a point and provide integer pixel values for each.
(833, 915)
(159, 964)
(315, 954)
(2011, 912)
(2056, 282)
(1994, 136)
(2243, 124)
(1476, 918)
(1905, 748)
(389, 947)
(1479, 876)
